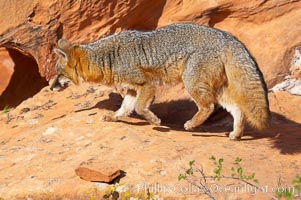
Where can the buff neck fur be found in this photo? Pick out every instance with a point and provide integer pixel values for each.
(84, 68)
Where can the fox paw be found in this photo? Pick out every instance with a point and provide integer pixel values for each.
(189, 126)
(234, 136)
(109, 118)
(155, 122)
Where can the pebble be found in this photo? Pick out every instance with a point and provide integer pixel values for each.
(89, 121)
(163, 172)
(89, 135)
(87, 143)
(32, 121)
(24, 110)
(49, 131)
(45, 140)
(79, 138)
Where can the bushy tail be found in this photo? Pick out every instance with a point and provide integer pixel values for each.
(250, 88)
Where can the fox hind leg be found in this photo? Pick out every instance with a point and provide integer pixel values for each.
(205, 108)
(197, 83)
(238, 125)
(239, 120)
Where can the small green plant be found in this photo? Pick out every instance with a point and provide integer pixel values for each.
(197, 177)
(199, 181)
(189, 171)
(237, 172)
(219, 164)
(293, 193)
(297, 185)
(5, 110)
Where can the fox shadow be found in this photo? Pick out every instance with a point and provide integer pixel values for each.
(284, 133)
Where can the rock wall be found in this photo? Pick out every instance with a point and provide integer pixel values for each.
(6, 69)
(270, 29)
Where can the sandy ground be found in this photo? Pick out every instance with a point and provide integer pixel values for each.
(44, 139)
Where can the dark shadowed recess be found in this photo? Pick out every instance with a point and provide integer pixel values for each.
(143, 17)
(25, 81)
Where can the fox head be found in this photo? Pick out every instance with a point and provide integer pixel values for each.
(66, 71)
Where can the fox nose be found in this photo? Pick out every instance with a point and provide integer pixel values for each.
(54, 83)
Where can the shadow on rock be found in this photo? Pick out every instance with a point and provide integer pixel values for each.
(284, 133)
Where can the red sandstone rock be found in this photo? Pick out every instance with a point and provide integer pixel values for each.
(270, 29)
(97, 171)
(6, 68)
(33, 165)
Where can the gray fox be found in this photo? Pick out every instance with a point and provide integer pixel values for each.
(214, 67)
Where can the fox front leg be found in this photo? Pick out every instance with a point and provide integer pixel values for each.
(127, 107)
(145, 96)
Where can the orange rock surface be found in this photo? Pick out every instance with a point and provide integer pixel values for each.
(270, 29)
(46, 135)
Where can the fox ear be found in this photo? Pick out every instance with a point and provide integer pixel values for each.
(64, 44)
(60, 52)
